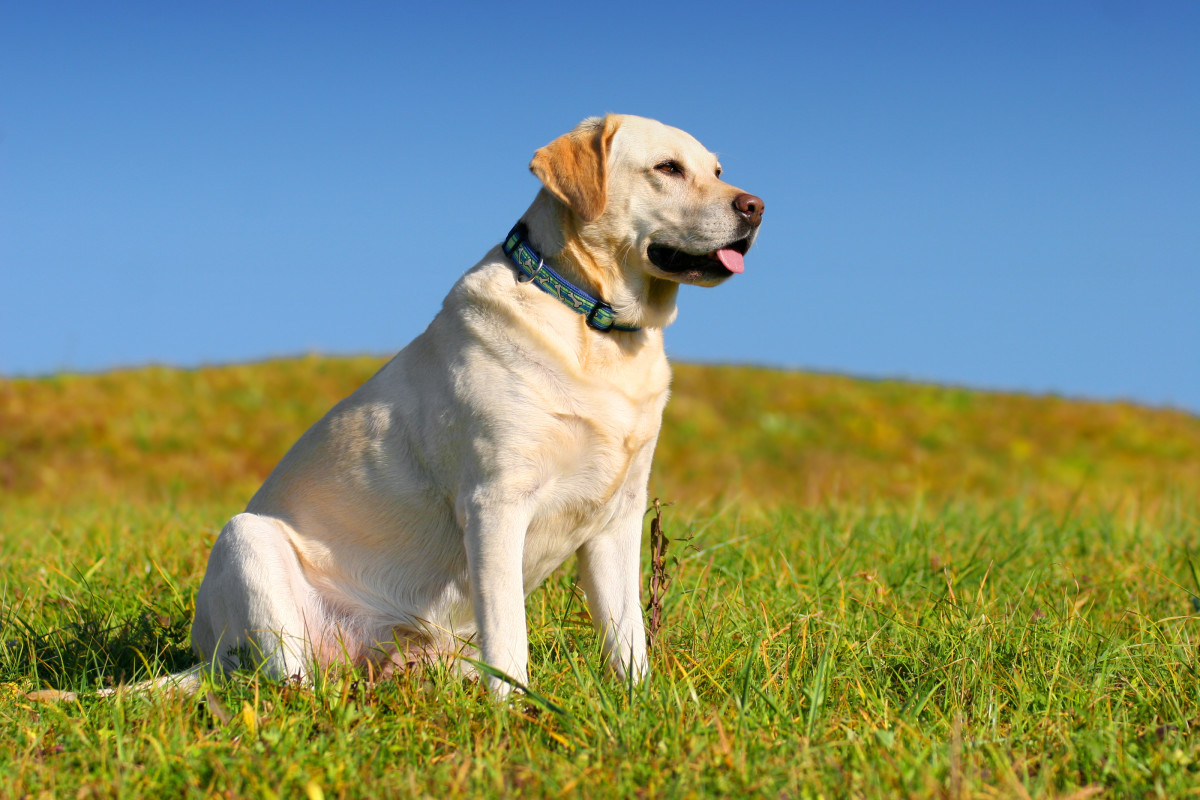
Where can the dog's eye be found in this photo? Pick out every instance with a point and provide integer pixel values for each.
(718, 173)
(670, 168)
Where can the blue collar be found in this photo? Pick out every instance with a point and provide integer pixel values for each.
(531, 267)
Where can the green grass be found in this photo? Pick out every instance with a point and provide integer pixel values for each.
(806, 653)
(962, 641)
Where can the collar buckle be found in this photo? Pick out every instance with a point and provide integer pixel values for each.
(607, 314)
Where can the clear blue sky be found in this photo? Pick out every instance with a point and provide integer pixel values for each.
(1003, 195)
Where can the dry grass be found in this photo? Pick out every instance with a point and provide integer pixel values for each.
(753, 435)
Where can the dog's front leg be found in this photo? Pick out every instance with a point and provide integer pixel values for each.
(610, 575)
(495, 540)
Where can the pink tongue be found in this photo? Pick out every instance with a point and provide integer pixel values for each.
(731, 259)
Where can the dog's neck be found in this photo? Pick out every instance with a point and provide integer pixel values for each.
(582, 255)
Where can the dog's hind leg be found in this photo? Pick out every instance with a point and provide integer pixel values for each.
(255, 606)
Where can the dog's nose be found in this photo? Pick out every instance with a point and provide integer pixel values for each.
(750, 207)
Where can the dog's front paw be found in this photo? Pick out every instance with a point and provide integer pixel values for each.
(633, 665)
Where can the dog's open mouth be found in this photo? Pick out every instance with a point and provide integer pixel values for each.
(722, 262)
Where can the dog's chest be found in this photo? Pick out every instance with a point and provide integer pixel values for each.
(596, 435)
(595, 463)
(591, 458)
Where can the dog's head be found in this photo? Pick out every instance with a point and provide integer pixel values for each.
(651, 197)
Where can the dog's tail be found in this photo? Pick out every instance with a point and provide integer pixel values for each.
(187, 682)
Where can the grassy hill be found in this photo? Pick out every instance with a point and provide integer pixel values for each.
(878, 589)
(755, 435)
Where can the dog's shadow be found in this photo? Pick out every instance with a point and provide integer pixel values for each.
(99, 649)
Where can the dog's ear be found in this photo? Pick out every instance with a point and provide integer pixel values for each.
(574, 167)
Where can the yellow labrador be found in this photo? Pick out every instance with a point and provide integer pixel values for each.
(417, 515)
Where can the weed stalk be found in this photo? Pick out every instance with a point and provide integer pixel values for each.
(659, 579)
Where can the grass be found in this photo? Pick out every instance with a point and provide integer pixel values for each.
(973, 633)
(758, 436)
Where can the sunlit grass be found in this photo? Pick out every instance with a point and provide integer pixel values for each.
(1020, 629)
(760, 436)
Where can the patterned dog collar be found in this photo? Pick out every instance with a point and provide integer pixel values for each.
(531, 267)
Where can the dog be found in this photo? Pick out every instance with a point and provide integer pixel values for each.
(414, 519)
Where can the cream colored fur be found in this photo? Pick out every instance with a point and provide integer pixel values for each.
(415, 518)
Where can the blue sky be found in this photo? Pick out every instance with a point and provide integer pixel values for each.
(1000, 195)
